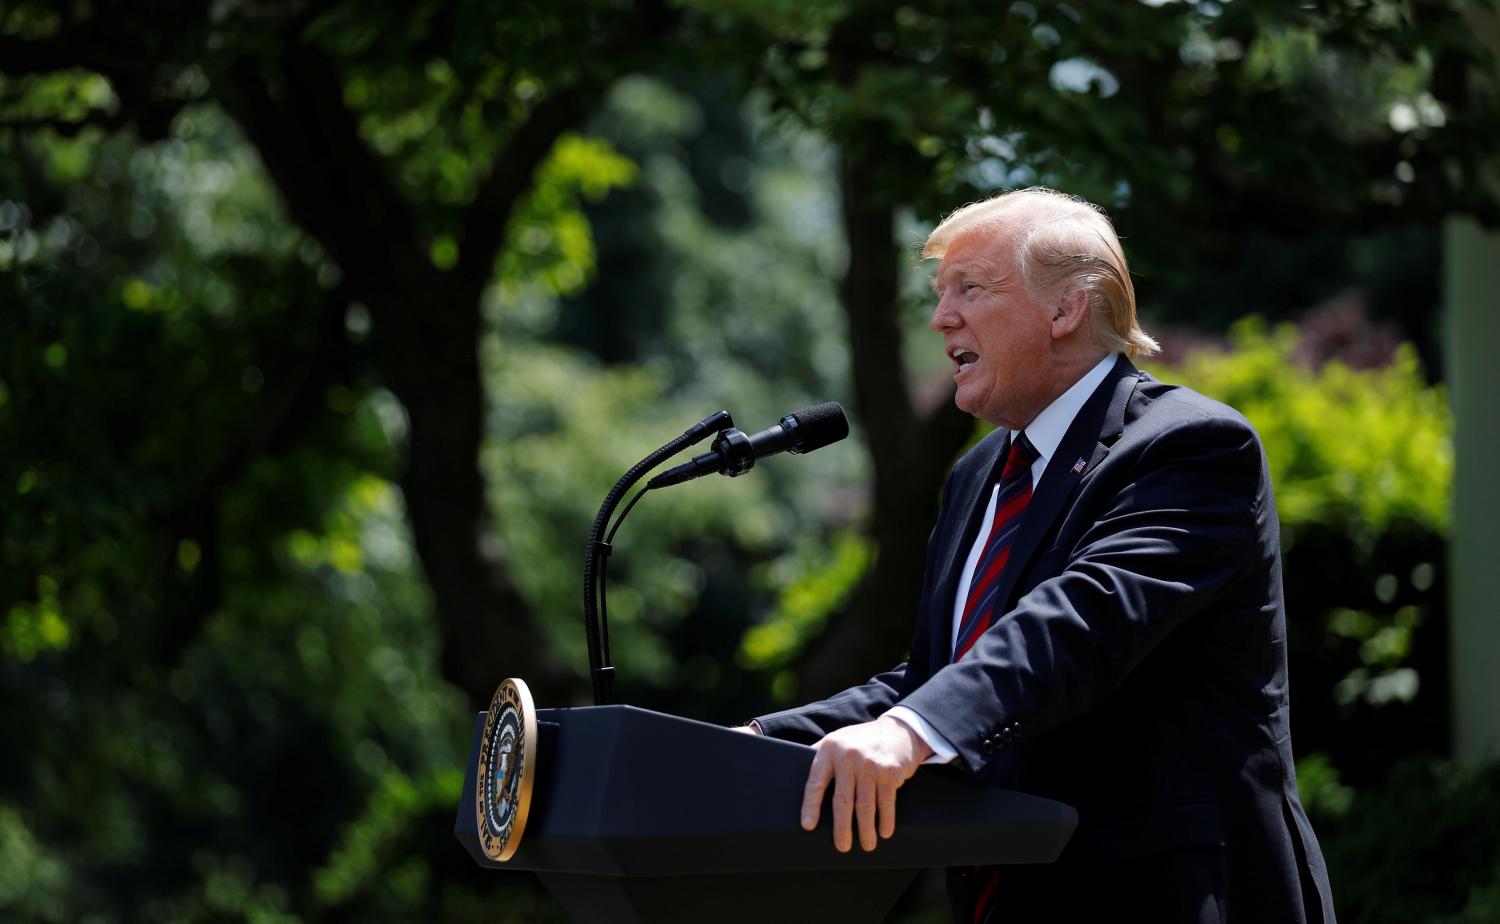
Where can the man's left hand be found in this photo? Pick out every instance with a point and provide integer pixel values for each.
(866, 763)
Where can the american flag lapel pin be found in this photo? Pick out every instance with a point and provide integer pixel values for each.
(1078, 466)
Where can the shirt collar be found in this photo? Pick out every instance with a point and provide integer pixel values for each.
(1046, 432)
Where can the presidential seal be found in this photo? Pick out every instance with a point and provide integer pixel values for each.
(507, 768)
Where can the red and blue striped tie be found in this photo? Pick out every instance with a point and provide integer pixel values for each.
(1010, 507)
(979, 607)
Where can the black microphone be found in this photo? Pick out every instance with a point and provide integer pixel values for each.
(733, 453)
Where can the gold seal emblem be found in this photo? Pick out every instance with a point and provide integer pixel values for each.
(507, 768)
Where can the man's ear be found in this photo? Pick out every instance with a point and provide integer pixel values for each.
(1070, 314)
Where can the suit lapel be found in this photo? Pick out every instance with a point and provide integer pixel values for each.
(1094, 430)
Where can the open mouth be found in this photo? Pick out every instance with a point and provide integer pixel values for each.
(964, 358)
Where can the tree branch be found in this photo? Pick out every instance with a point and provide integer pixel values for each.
(68, 128)
(88, 44)
(426, 334)
(63, 52)
(485, 219)
(331, 182)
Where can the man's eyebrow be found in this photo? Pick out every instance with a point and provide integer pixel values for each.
(959, 273)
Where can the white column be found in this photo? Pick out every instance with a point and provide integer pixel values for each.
(1471, 289)
(1472, 293)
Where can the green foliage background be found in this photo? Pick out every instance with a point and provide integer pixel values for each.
(222, 682)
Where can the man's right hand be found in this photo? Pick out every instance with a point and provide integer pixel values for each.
(866, 764)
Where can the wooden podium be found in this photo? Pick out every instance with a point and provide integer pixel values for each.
(640, 816)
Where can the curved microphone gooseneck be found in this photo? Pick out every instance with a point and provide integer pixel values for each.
(601, 672)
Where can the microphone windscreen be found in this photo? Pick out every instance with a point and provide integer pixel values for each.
(819, 425)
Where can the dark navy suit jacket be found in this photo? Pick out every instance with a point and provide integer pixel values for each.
(1138, 672)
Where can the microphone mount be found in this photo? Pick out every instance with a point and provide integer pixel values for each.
(733, 453)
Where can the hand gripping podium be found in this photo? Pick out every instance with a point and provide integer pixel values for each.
(640, 816)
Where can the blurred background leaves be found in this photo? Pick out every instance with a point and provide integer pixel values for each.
(325, 328)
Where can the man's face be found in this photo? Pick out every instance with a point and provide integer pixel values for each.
(1003, 339)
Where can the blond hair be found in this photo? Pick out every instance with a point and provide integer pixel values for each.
(1064, 244)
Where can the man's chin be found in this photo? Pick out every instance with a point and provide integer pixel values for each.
(966, 402)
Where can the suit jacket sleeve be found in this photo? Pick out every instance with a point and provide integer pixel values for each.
(807, 724)
(1185, 521)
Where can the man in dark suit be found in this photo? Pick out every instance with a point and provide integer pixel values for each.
(1101, 620)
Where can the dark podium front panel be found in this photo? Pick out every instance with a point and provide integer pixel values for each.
(640, 816)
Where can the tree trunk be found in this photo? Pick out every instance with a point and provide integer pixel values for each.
(487, 630)
(426, 327)
(911, 451)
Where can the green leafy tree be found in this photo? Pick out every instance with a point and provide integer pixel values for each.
(410, 150)
(216, 655)
(217, 639)
(313, 322)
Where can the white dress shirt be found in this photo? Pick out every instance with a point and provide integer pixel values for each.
(1046, 433)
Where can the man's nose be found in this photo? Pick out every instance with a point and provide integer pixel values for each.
(943, 316)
